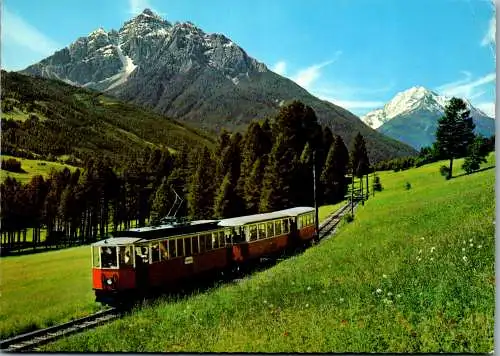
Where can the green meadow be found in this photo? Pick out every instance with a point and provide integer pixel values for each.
(33, 167)
(414, 272)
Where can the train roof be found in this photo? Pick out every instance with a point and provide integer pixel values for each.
(114, 241)
(249, 219)
(166, 230)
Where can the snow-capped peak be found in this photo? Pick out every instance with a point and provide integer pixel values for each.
(100, 31)
(410, 100)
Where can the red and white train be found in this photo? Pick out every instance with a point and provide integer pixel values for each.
(137, 261)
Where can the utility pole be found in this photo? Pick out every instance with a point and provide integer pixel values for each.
(367, 189)
(352, 193)
(315, 199)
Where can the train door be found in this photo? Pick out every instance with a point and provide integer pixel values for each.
(141, 262)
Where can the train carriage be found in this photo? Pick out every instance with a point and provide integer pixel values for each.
(137, 261)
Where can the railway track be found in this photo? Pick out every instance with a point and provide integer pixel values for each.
(327, 227)
(32, 340)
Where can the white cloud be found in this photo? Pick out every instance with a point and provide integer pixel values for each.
(18, 32)
(487, 107)
(306, 77)
(489, 37)
(466, 88)
(280, 68)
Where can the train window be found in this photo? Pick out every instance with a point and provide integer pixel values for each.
(270, 229)
(277, 227)
(164, 250)
(286, 226)
(155, 252)
(224, 235)
(180, 247)
(222, 239)
(253, 232)
(108, 257)
(262, 231)
(203, 243)
(171, 248)
(126, 255)
(194, 244)
(215, 241)
(96, 257)
(187, 246)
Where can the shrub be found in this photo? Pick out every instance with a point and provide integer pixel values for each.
(407, 186)
(377, 186)
(348, 217)
(444, 170)
(12, 165)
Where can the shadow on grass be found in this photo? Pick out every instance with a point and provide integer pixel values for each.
(468, 174)
(202, 284)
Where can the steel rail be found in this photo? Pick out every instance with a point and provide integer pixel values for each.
(30, 341)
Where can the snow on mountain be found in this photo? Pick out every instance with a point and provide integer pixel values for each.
(409, 101)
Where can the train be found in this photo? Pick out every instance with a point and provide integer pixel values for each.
(135, 262)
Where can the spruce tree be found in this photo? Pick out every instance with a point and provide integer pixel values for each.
(161, 202)
(476, 155)
(200, 198)
(333, 178)
(359, 161)
(455, 132)
(253, 186)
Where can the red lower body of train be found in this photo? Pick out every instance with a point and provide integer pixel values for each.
(127, 283)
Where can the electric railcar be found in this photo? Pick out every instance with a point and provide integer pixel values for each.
(136, 261)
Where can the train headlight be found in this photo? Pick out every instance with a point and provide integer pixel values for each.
(109, 281)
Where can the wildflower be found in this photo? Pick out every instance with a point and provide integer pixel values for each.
(384, 276)
(307, 305)
(422, 238)
(308, 288)
(470, 240)
(379, 290)
(432, 258)
(463, 249)
(389, 294)
(341, 300)
(419, 252)
(286, 333)
(479, 246)
(265, 301)
(471, 245)
(464, 258)
(432, 249)
(398, 295)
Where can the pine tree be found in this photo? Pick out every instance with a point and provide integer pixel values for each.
(200, 198)
(360, 164)
(253, 186)
(476, 155)
(333, 178)
(161, 202)
(455, 132)
(278, 182)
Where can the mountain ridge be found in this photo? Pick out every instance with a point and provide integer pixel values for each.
(411, 117)
(205, 80)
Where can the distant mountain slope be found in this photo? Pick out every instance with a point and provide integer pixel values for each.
(411, 117)
(199, 78)
(60, 119)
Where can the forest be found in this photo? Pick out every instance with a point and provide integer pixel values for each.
(266, 168)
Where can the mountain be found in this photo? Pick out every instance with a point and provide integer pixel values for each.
(198, 78)
(412, 116)
(51, 118)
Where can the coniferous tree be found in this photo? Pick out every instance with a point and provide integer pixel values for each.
(476, 155)
(253, 186)
(333, 176)
(201, 189)
(455, 132)
(161, 202)
(304, 177)
(278, 182)
(359, 161)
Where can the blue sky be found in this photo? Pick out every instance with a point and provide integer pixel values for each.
(355, 53)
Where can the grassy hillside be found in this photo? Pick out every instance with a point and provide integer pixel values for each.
(32, 167)
(53, 118)
(414, 272)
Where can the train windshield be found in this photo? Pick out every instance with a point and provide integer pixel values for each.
(109, 257)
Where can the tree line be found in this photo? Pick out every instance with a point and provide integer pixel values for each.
(266, 168)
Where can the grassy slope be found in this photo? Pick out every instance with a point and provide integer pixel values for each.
(56, 284)
(413, 273)
(44, 289)
(32, 168)
(89, 122)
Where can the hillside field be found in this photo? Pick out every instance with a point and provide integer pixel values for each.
(414, 272)
(33, 167)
